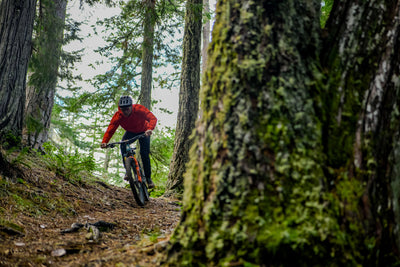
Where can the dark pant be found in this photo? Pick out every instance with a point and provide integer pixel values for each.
(144, 151)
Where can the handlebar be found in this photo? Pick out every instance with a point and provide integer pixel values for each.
(128, 141)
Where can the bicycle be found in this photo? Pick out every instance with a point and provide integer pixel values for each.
(137, 181)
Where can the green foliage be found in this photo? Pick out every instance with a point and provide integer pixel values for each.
(70, 119)
(124, 37)
(153, 234)
(69, 165)
(162, 146)
(159, 190)
(9, 140)
(64, 109)
(47, 42)
(326, 7)
(15, 156)
(208, 16)
(68, 59)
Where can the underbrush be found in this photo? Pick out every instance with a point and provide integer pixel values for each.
(72, 166)
(35, 184)
(162, 148)
(38, 183)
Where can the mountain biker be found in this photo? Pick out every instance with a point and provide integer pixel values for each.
(134, 119)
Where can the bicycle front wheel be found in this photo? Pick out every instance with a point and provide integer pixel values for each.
(144, 185)
(136, 186)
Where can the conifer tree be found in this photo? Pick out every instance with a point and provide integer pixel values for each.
(16, 26)
(147, 53)
(145, 32)
(188, 96)
(45, 64)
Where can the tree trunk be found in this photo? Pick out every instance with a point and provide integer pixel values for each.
(188, 96)
(16, 26)
(206, 36)
(362, 57)
(147, 54)
(106, 163)
(43, 80)
(296, 155)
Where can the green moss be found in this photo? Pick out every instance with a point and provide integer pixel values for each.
(11, 225)
(38, 203)
(22, 204)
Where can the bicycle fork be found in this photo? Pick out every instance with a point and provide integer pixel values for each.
(137, 168)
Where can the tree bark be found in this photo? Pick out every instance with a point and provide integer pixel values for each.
(256, 115)
(188, 96)
(147, 54)
(43, 81)
(206, 37)
(364, 80)
(296, 155)
(16, 26)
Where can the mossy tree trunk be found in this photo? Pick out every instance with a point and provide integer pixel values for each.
(147, 54)
(188, 96)
(44, 67)
(296, 155)
(361, 57)
(16, 26)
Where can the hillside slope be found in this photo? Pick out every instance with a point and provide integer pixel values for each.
(37, 206)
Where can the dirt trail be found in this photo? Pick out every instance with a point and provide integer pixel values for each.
(138, 238)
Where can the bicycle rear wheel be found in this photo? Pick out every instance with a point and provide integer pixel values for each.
(136, 186)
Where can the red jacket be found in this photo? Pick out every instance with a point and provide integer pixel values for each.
(140, 120)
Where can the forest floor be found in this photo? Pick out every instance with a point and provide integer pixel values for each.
(37, 205)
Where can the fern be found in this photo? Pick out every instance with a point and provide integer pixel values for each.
(69, 165)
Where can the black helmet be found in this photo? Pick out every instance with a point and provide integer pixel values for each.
(125, 101)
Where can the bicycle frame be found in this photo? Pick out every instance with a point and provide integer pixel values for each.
(131, 153)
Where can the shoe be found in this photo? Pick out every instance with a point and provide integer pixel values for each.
(150, 184)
